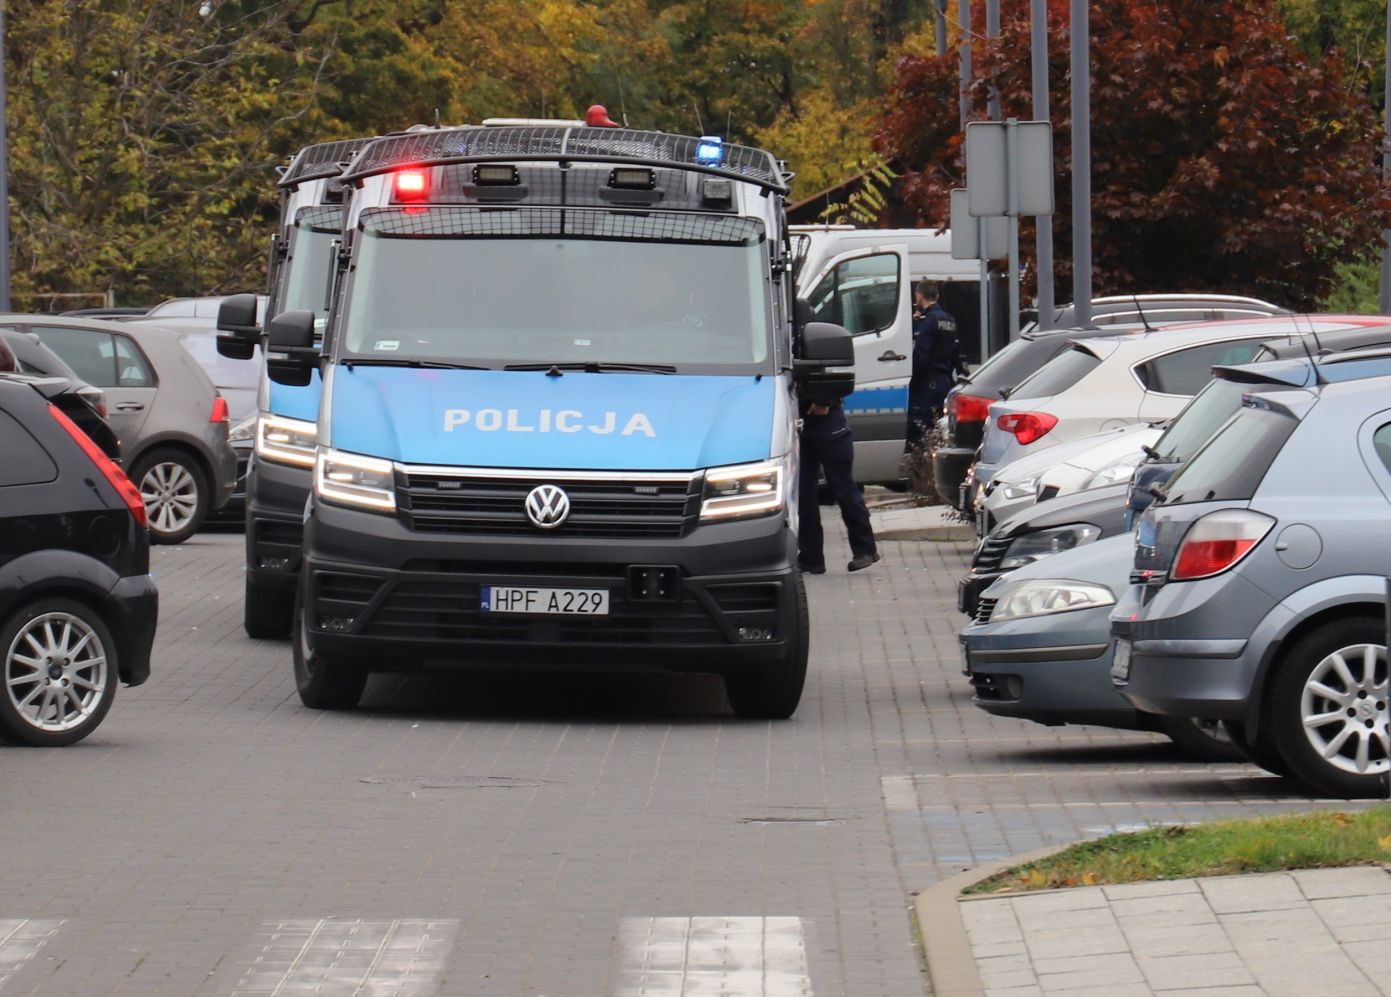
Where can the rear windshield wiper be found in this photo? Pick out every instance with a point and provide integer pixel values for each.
(593, 367)
(400, 362)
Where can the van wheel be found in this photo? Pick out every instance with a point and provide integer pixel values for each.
(58, 675)
(772, 692)
(1261, 752)
(269, 611)
(324, 683)
(1329, 708)
(175, 491)
(1200, 740)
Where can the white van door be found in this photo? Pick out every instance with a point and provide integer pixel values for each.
(869, 292)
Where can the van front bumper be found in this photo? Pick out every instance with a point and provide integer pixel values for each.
(275, 499)
(378, 591)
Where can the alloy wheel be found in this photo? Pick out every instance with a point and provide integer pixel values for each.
(55, 672)
(171, 496)
(1344, 709)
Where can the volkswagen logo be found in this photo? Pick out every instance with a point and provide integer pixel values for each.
(547, 506)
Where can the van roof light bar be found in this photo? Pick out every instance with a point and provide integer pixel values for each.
(604, 145)
(315, 162)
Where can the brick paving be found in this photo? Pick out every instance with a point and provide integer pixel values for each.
(526, 829)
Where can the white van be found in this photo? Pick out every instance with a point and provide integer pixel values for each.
(863, 280)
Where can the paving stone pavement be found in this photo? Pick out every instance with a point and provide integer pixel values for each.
(1321, 931)
(542, 834)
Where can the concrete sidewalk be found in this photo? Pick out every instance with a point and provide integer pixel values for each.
(1323, 931)
(895, 520)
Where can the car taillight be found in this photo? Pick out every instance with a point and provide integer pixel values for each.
(219, 412)
(1217, 542)
(1027, 426)
(970, 408)
(130, 495)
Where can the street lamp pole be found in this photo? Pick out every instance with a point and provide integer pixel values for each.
(992, 31)
(939, 25)
(1079, 29)
(1386, 173)
(1043, 231)
(963, 34)
(4, 178)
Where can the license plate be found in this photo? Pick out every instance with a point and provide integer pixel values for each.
(544, 602)
(1120, 664)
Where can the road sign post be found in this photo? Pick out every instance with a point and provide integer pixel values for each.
(985, 238)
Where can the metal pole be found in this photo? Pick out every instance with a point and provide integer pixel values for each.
(1043, 239)
(963, 32)
(939, 24)
(1080, 29)
(1386, 173)
(1012, 207)
(4, 179)
(984, 290)
(992, 31)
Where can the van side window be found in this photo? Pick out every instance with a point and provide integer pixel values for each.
(860, 294)
(22, 460)
(1185, 372)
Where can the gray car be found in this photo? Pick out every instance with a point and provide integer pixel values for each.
(170, 419)
(1259, 591)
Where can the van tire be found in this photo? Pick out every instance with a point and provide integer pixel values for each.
(772, 692)
(323, 682)
(269, 612)
(176, 491)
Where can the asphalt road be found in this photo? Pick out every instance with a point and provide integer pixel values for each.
(528, 833)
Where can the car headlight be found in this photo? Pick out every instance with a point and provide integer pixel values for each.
(243, 430)
(744, 490)
(1032, 547)
(1044, 596)
(350, 479)
(286, 441)
(1023, 488)
(1113, 474)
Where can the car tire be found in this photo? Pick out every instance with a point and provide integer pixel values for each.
(269, 612)
(175, 491)
(1200, 740)
(71, 655)
(323, 682)
(1261, 751)
(773, 692)
(1335, 674)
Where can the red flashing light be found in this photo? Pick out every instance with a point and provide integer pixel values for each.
(970, 408)
(1027, 426)
(219, 412)
(411, 185)
(130, 495)
(598, 117)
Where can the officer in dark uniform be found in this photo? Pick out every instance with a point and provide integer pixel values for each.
(936, 358)
(827, 446)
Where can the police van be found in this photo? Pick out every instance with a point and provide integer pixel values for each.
(561, 377)
(863, 279)
(281, 472)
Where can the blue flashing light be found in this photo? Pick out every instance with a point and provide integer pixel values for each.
(710, 151)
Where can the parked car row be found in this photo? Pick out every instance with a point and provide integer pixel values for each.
(1223, 582)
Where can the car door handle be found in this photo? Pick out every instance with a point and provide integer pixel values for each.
(130, 406)
(889, 356)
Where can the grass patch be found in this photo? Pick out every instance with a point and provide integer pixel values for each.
(1265, 844)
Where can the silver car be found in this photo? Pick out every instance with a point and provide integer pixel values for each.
(1259, 591)
(170, 419)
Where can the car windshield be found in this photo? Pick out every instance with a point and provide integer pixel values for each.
(305, 272)
(1199, 419)
(564, 286)
(1230, 466)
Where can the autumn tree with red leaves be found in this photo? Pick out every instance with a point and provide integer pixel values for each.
(1222, 158)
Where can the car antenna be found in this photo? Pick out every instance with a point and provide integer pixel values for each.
(1313, 362)
(1136, 298)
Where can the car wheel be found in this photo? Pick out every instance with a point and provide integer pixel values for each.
(773, 692)
(1261, 751)
(59, 673)
(175, 491)
(1329, 708)
(1200, 740)
(269, 611)
(324, 682)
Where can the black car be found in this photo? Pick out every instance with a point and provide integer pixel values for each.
(77, 603)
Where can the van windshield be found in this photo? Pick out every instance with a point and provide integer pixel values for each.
(305, 274)
(521, 286)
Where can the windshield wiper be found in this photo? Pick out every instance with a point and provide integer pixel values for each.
(592, 367)
(400, 362)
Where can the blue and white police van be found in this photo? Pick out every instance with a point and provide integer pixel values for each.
(561, 381)
(281, 472)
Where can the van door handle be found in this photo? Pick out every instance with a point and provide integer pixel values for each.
(889, 356)
(130, 406)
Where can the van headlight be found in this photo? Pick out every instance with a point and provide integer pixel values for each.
(286, 441)
(744, 490)
(1045, 596)
(350, 479)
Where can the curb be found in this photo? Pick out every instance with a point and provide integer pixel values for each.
(951, 969)
(954, 533)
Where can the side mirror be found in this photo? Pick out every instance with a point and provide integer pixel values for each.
(236, 317)
(801, 316)
(825, 346)
(292, 355)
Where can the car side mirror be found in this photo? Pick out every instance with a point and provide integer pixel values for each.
(236, 317)
(291, 353)
(801, 316)
(825, 346)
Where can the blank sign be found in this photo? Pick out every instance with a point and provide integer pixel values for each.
(987, 172)
(965, 232)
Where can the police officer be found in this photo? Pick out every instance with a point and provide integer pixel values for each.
(936, 356)
(827, 446)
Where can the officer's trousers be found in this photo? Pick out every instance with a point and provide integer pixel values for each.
(828, 447)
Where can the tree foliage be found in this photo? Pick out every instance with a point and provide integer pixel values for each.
(1224, 159)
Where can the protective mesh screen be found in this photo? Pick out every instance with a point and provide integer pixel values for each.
(321, 218)
(327, 159)
(582, 223)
